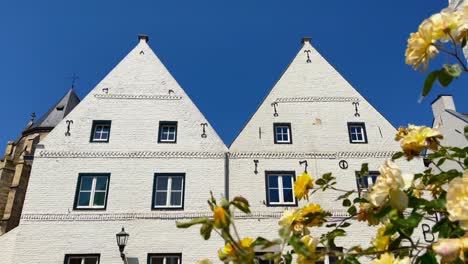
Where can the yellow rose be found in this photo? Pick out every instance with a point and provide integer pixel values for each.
(457, 200)
(302, 186)
(450, 249)
(381, 241)
(366, 214)
(421, 47)
(292, 219)
(446, 22)
(388, 187)
(388, 258)
(226, 251)
(311, 244)
(312, 208)
(246, 242)
(417, 139)
(220, 217)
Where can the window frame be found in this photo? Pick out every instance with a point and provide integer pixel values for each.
(167, 123)
(288, 125)
(267, 191)
(364, 132)
(370, 173)
(153, 199)
(100, 123)
(78, 188)
(150, 255)
(326, 259)
(68, 256)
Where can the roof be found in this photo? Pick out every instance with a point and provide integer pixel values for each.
(463, 117)
(55, 114)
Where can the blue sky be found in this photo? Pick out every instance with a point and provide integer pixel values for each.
(226, 54)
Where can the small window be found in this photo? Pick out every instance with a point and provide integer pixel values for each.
(329, 259)
(82, 259)
(167, 132)
(282, 133)
(92, 190)
(280, 190)
(168, 191)
(165, 258)
(101, 131)
(357, 133)
(365, 182)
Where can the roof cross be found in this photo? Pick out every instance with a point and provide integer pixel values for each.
(74, 77)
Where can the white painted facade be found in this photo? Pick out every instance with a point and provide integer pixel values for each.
(139, 93)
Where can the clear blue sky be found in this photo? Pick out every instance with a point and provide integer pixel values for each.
(225, 54)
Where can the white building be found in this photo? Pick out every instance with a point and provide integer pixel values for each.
(137, 153)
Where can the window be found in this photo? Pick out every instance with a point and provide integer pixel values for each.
(168, 190)
(329, 259)
(167, 132)
(365, 182)
(92, 190)
(165, 258)
(282, 133)
(279, 187)
(82, 259)
(100, 131)
(357, 133)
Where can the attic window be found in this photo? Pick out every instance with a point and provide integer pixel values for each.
(60, 107)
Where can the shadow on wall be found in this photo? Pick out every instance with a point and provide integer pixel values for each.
(132, 260)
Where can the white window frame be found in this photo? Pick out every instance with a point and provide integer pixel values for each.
(288, 127)
(168, 125)
(92, 192)
(101, 126)
(370, 182)
(280, 189)
(169, 190)
(179, 256)
(361, 132)
(82, 257)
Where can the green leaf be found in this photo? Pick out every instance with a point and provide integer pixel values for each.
(463, 43)
(299, 246)
(345, 224)
(346, 202)
(429, 82)
(398, 155)
(320, 182)
(466, 132)
(441, 161)
(364, 170)
(343, 196)
(427, 258)
(453, 70)
(206, 229)
(352, 210)
(196, 221)
(351, 260)
(444, 78)
(242, 204)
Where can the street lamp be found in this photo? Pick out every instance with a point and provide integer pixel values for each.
(122, 238)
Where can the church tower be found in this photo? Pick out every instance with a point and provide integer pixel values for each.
(15, 165)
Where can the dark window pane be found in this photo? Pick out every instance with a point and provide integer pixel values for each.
(353, 137)
(171, 137)
(161, 198)
(161, 183)
(176, 183)
(74, 261)
(172, 260)
(359, 137)
(273, 181)
(106, 129)
(101, 183)
(176, 198)
(165, 129)
(287, 182)
(99, 198)
(172, 129)
(86, 183)
(288, 195)
(92, 260)
(157, 260)
(83, 199)
(97, 135)
(374, 178)
(274, 195)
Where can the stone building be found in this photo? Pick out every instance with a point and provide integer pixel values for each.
(138, 154)
(15, 165)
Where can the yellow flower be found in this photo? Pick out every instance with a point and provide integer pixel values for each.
(457, 200)
(226, 251)
(388, 258)
(388, 187)
(450, 249)
(204, 261)
(312, 208)
(292, 219)
(302, 186)
(381, 241)
(446, 23)
(311, 244)
(421, 47)
(246, 242)
(366, 214)
(417, 139)
(220, 217)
